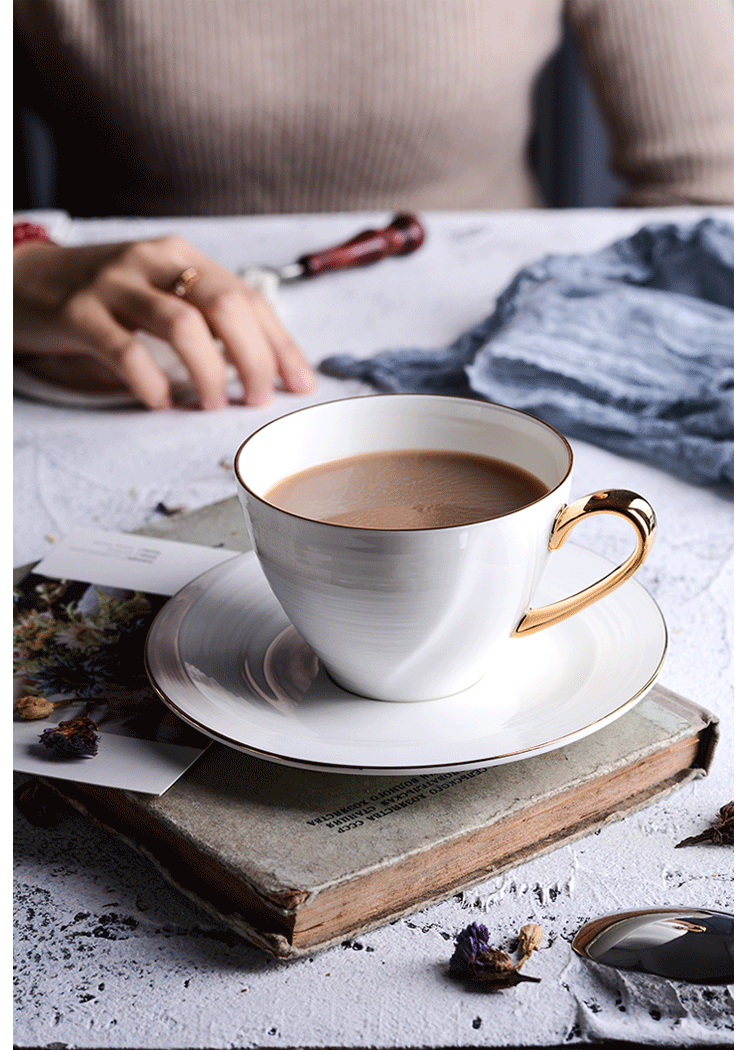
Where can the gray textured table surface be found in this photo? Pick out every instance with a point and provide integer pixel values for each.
(107, 955)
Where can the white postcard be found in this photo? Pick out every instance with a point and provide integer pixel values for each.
(120, 559)
(80, 622)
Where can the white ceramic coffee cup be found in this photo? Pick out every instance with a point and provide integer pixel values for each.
(418, 614)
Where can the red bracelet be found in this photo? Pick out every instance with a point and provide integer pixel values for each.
(29, 231)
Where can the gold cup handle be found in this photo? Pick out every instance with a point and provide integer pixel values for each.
(638, 512)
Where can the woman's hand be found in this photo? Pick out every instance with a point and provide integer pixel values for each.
(92, 300)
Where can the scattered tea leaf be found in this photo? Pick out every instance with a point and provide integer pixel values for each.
(168, 512)
(720, 833)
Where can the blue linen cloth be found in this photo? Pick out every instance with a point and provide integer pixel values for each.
(630, 348)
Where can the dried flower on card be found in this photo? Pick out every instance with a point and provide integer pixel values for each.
(75, 738)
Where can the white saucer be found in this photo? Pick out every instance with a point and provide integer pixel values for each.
(224, 657)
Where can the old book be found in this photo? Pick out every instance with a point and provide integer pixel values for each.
(296, 861)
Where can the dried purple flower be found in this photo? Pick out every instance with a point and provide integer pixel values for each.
(479, 965)
(469, 943)
(75, 738)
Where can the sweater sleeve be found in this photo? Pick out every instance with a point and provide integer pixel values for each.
(662, 70)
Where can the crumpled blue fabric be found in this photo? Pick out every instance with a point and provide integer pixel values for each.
(630, 348)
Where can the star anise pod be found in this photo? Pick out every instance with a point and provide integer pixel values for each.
(720, 833)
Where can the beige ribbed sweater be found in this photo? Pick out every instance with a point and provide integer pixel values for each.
(243, 106)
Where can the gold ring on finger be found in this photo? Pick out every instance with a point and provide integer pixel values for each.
(184, 281)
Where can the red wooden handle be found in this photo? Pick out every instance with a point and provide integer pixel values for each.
(402, 236)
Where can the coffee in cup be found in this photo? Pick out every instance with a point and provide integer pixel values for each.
(407, 489)
(404, 535)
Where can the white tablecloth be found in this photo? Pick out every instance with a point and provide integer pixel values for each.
(108, 956)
